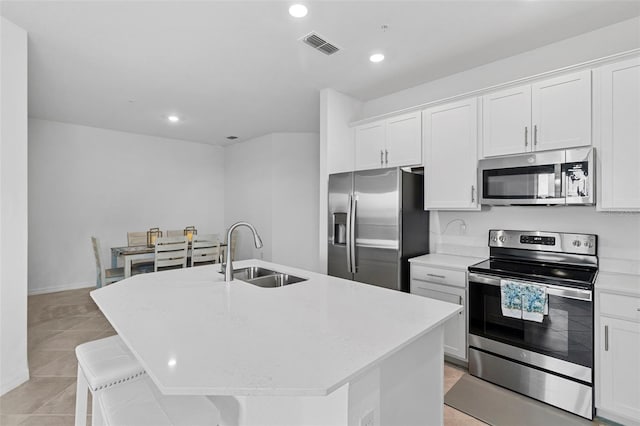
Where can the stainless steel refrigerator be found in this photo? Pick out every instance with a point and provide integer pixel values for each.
(376, 223)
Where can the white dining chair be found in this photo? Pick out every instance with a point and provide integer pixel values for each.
(205, 249)
(234, 245)
(175, 233)
(104, 276)
(136, 238)
(102, 364)
(171, 252)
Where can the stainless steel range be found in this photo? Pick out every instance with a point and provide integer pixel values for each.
(531, 316)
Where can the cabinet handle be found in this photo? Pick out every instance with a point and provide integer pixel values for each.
(535, 134)
(436, 276)
(386, 157)
(526, 136)
(473, 193)
(381, 154)
(460, 301)
(606, 337)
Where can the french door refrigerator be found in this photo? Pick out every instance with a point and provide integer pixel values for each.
(376, 223)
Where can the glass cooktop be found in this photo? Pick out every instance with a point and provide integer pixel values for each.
(580, 277)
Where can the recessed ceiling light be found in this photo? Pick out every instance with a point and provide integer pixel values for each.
(298, 11)
(173, 118)
(376, 57)
(232, 137)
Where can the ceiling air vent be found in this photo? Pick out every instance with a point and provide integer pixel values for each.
(319, 43)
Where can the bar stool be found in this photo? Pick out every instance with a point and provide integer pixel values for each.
(102, 364)
(140, 403)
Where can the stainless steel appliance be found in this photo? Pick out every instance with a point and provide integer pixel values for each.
(564, 177)
(376, 223)
(551, 360)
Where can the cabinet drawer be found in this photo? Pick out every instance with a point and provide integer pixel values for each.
(620, 306)
(439, 275)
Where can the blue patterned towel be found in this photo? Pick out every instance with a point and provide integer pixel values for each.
(534, 302)
(511, 298)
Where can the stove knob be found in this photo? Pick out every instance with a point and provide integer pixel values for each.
(588, 244)
(494, 239)
(577, 243)
(502, 238)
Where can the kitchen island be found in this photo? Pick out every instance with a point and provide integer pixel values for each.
(325, 351)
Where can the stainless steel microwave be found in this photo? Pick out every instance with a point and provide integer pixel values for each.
(562, 177)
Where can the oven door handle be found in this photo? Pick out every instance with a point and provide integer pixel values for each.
(554, 290)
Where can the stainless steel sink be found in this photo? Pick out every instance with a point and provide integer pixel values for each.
(263, 277)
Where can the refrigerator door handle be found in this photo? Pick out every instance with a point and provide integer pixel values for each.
(352, 236)
(349, 214)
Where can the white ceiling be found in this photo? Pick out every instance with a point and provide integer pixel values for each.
(238, 67)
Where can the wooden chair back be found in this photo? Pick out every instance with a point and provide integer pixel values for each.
(171, 252)
(205, 249)
(96, 253)
(136, 238)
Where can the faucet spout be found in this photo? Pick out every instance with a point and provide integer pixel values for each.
(228, 270)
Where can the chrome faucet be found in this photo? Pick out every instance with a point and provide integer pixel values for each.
(228, 268)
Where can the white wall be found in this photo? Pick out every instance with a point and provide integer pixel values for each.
(86, 181)
(596, 44)
(272, 183)
(337, 152)
(13, 206)
(619, 234)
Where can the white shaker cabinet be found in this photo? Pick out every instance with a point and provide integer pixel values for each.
(450, 156)
(370, 144)
(550, 114)
(448, 286)
(617, 134)
(618, 376)
(507, 121)
(392, 142)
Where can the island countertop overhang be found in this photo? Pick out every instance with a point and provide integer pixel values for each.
(196, 334)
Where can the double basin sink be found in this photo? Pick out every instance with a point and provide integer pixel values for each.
(263, 277)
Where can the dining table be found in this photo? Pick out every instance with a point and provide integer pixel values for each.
(131, 254)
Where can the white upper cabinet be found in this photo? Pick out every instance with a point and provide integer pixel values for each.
(404, 142)
(370, 144)
(617, 134)
(551, 114)
(507, 121)
(450, 156)
(561, 112)
(392, 142)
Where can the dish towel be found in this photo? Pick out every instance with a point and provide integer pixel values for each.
(534, 302)
(511, 298)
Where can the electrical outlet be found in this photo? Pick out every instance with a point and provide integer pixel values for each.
(368, 419)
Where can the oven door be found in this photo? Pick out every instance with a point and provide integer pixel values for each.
(565, 334)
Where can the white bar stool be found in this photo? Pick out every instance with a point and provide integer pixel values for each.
(102, 364)
(140, 403)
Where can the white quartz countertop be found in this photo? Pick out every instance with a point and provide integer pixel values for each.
(447, 261)
(196, 334)
(621, 283)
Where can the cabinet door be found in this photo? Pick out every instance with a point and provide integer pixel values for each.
(561, 112)
(404, 140)
(450, 156)
(619, 376)
(455, 332)
(617, 133)
(370, 145)
(506, 122)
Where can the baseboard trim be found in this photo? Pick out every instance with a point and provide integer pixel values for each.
(64, 287)
(611, 416)
(14, 382)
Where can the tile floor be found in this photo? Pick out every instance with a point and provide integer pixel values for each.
(57, 323)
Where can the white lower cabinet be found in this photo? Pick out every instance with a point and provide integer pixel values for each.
(618, 350)
(455, 329)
